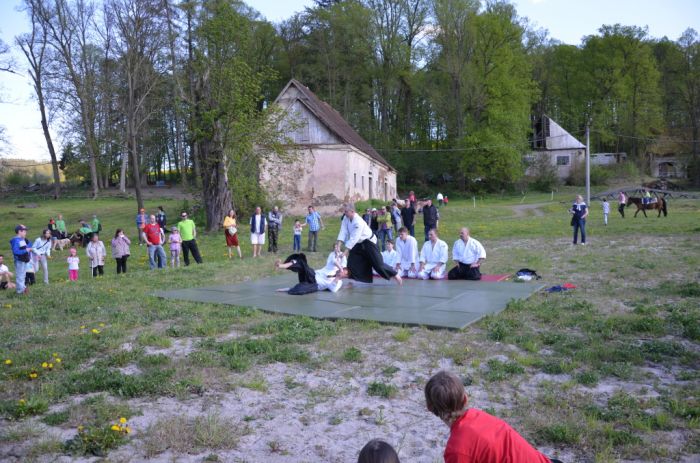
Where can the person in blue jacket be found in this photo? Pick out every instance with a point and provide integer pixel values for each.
(21, 252)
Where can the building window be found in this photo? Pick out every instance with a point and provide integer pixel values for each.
(563, 160)
(363, 183)
(355, 180)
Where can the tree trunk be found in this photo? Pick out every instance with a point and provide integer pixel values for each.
(49, 142)
(216, 192)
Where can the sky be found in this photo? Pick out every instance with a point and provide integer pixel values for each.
(566, 20)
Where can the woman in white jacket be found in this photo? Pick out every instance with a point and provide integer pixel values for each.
(41, 251)
(96, 252)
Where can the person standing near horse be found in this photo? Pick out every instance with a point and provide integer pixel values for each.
(579, 212)
(622, 202)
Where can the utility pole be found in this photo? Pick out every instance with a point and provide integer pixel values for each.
(588, 165)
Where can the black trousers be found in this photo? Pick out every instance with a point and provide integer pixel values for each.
(121, 264)
(307, 275)
(464, 272)
(29, 278)
(99, 269)
(363, 258)
(188, 246)
(621, 210)
(272, 234)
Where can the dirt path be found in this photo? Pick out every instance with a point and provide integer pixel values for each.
(521, 210)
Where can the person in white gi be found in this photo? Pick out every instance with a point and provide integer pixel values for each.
(362, 246)
(468, 254)
(407, 250)
(390, 256)
(433, 257)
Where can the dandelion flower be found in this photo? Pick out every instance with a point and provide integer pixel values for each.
(33, 375)
(8, 306)
(22, 401)
(58, 359)
(8, 362)
(50, 366)
(102, 325)
(115, 428)
(80, 428)
(44, 365)
(82, 327)
(55, 355)
(122, 420)
(127, 429)
(95, 331)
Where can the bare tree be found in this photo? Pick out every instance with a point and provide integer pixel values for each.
(141, 36)
(33, 45)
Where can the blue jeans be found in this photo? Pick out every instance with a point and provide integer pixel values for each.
(20, 275)
(152, 250)
(411, 230)
(297, 243)
(580, 224)
(383, 235)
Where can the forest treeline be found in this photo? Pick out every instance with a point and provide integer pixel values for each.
(444, 89)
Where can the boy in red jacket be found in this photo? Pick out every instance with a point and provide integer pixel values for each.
(475, 436)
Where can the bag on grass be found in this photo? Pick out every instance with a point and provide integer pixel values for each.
(527, 274)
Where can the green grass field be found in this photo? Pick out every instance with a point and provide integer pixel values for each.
(606, 372)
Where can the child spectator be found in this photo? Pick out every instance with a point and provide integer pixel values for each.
(120, 250)
(175, 241)
(5, 275)
(475, 436)
(30, 276)
(96, 252)
(606, 210)
(377, 451)
(296, 247)
(73, 264)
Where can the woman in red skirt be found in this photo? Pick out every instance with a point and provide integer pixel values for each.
(231, 232)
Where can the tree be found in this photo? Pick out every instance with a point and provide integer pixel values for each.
(689, 43)
(33, 45)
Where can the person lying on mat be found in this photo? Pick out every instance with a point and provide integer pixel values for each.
(407, 250)
(362, 244)
(468, 254)
(310, 280)
(433, 258)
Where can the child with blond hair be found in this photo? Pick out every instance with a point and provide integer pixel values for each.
(475, 436)
(73, 264)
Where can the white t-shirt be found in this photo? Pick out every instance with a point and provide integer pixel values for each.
(439, 197)
(3, 268)
(73, 263)
(468, 253)
(606, 207)
(390, 258)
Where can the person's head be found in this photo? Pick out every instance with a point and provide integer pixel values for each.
(337, 247)
(46, 233)
(311, 209)
(232, 213)
(368, 210)
(374, 211)
(429, 202)
(174, 230)
(275, 209)
(60, 216)
(258, 210)
(377, 451)
(403, 233)
(445, 396)
(296, 222)
(183, 215)
(579, 198)
(152, 218)
(21, 231)
(118, 233)
(389, 245)
(73, 252)
(349, 211)
(464, 234)
(51, 220)
(94, 216)
(433, 235)
(387, 208)
(95, 237)
(605, 200)
(160, 208)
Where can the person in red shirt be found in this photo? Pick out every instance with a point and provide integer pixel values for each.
(475, 436)
(154, 237)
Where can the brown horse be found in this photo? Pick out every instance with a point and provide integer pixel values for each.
(659, 204)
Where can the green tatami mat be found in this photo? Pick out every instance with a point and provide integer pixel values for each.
(443, 304)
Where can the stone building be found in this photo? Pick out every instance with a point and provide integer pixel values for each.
(329, 163)
(554, 145)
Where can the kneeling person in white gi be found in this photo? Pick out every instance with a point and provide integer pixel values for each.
(433, 257)
(389, 256)
(468, 254)
(407, 250)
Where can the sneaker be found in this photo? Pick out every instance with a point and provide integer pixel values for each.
(583, 244)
